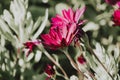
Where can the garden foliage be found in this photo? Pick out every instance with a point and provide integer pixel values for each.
(60, 40)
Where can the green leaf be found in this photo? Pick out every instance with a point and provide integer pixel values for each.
(41, 28)
(9, 19)
(29, 24)
(2, 40)
(36, 24)
(38, 56)
(6, 32)
(18, 10)
(4, 27)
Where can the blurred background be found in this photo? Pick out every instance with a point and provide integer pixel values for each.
(99, 27)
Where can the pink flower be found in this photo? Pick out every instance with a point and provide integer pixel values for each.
(113, 2)
(81, 59)
(59, 36)
(64, 29)
(30, 45)
(116, 17)
(49, 71)
(68, 17)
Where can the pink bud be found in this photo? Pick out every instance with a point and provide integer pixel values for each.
(81, 59)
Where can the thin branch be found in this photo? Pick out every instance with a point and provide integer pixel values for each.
(80, 48)
(56, 63)
(75, 66)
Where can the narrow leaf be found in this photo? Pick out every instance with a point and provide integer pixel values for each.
(41, 28)
(9, 19)
(36, 25)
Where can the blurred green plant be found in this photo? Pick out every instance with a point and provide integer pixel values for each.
(22, 23)
(17, 27)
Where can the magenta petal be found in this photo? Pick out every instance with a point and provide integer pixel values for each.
(78, 14)
(118, 3)
(71, 30)
(55, 36)
(57, 30)
(68, 14)
(49, 70)
(58, 21)
(116, 17)
(46, 38)
(52, 39)
(63, 31)
(30, 45)
(64, 12)
(81, 22)
(71, 14)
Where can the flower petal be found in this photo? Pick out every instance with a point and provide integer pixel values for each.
(58, 20)
(71, 30)
(68, 14)
(78, 14)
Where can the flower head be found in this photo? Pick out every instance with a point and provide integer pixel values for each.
(64, 29)
(59, 36)
(116, 17)
(30, 45)
(68, 17)
(49, 71)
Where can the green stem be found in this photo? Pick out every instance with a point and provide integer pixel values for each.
(80, 48)
(75, 66)
(56, 63)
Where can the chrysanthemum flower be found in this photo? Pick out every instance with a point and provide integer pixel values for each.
(59, 36)
(68, 17)
(30, 45)
(116, 17)
(64, 29)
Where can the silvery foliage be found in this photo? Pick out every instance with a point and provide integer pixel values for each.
(109, 58)
(17, 27)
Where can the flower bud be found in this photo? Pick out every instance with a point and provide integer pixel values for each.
(82, 64)
(49, 70)
(116, 17)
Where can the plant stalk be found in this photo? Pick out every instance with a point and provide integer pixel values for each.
(80, 48)
(75, 66)
(56, 63)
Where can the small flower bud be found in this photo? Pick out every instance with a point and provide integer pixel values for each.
(81, 59)
(49, 70)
